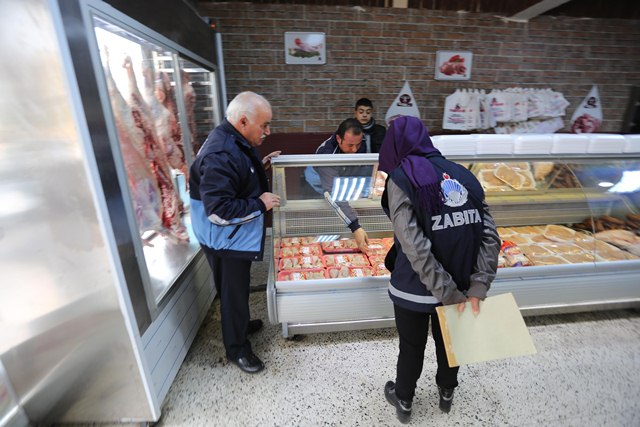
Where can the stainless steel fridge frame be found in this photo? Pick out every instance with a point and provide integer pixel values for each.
(82, 339)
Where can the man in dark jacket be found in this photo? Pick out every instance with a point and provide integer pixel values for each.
(447, 251)
(373, 132)
(346, 140)
(229, 197)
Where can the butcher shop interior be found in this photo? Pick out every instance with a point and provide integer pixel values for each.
(109, 312)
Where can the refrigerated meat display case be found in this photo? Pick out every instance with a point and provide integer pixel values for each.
(104, 284)
(555, 213)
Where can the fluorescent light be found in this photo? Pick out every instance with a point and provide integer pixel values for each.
(629, 183)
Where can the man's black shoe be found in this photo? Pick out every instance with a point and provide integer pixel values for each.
(403, 407)
(446, 399)
(254, 326)
(249, 363)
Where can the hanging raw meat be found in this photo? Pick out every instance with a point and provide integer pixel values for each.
(189, 95)
(147, 202)
(166, 123)
(171, 204)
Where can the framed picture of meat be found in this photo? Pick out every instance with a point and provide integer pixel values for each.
(304, 48)
(453, 65)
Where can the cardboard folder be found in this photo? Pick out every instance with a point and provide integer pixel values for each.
(497, 332)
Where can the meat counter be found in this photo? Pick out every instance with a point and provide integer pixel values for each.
(568, 222)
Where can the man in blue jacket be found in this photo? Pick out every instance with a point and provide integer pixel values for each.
(229, 199)
(346, 140)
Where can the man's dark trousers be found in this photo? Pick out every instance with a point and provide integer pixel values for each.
(232, 278)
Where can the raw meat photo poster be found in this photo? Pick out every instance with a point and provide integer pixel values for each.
(453, 65)
(304, 48)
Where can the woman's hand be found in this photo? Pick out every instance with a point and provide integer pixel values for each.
(475, 305)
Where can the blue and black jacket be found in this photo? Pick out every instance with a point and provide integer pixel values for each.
(444, 256)
(225, 184)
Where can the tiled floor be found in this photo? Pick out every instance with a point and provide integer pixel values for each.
(586, 373)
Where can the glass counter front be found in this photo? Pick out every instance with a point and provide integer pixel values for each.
(548, 213)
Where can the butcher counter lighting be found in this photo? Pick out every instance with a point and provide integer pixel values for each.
(629, 183)
(347, 188)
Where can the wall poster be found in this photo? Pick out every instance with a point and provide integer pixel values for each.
(453, 65)
(304, 48)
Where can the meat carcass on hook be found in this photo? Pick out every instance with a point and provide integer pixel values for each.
(171, 204)
(147, 201)
(166, 123)
(189, 94)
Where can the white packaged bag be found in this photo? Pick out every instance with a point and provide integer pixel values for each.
(588, 116)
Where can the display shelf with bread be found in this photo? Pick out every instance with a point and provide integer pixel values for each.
(569, 222)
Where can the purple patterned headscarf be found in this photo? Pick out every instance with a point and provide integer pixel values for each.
(407, 143)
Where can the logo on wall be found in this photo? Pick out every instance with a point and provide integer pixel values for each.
(404, 100)
(403, 105)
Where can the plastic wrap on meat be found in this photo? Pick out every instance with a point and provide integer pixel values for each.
(166, 117)
(171, 204)
(189, 95)
(147, 201)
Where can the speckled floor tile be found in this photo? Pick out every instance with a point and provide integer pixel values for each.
(586, 373)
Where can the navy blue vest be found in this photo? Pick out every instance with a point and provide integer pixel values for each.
(455, 232)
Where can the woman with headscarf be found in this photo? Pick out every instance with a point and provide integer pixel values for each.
(446, 247)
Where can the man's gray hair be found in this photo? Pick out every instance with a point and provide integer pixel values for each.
(247, 104)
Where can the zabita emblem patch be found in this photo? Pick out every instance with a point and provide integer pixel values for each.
(454, 193)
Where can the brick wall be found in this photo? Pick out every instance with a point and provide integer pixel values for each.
(371, 51)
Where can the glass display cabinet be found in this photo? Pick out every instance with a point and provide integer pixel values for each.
(106, 286)
(569, 225)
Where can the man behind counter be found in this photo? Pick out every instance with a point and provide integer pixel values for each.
(346, 140)
(373, 132)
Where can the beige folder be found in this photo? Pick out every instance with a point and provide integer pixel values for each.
(497, 332)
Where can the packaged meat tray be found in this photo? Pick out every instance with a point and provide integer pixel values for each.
(490, 183)
(382, 271)
(505, 231)
(518, 166)
(308, 274)
(559, 233)
(564, 248)
(387, 241)
(347, 260)
(514, 256)
(342, 272)
(502, 262)
(297, 241)
(529, 181)
(379, 269)
(579, 258)
(300, 262)
(303, 250)
(529, 229)
(340, 246)
(535, 250)
(509, 176)
(377, 247)
(519, 239)
(548, 260)
(378, 184)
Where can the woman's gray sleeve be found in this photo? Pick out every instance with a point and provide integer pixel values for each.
(487, 262)
(417, 247)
